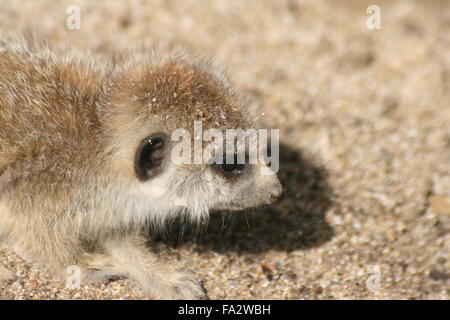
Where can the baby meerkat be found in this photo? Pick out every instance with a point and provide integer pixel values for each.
(85, 160)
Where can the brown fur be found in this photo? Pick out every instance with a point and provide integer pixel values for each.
(69, 129)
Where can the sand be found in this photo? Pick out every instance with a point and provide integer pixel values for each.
(364, 119)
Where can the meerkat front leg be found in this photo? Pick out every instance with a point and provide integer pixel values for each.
(131, 258)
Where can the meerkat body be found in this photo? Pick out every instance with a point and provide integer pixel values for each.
(85, 165)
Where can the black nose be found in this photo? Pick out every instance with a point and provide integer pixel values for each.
(276, 190)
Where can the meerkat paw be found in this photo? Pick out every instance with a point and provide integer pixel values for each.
(94, 276)
(6, 275)
(177, 286)
(131, 258)
(188, 288)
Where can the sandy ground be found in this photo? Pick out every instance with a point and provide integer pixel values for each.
(364, 117)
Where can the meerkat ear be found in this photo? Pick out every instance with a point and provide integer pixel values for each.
(149, 156)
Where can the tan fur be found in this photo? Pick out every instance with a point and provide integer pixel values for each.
(69, 128)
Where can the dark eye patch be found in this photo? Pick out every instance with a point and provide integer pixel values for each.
(229, 170)
(149, 156)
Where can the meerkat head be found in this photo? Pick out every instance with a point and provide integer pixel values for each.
(169, 126)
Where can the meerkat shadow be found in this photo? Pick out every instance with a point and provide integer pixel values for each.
(296, 221)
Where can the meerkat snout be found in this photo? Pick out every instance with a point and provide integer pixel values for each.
(276, 190)
(90, 158)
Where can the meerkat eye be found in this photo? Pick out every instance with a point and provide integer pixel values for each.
(229, 169)
(149, 157)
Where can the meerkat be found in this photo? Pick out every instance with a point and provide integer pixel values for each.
(85, 162)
